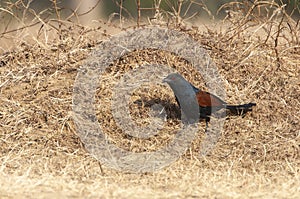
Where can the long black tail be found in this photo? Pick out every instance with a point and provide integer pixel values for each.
(240, 109)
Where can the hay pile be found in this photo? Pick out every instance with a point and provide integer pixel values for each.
(256, 156)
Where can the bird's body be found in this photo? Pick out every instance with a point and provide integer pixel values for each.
(186, 93)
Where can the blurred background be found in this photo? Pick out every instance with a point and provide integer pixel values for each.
(87, 10)
(36, 15)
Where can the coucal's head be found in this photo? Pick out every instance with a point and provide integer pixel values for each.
(177, 82)
(173, 78)
(185, 95)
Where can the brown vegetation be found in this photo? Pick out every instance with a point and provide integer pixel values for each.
(257, 156)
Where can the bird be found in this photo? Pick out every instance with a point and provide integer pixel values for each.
(197, 104)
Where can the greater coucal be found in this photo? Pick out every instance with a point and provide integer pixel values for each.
(188, 97)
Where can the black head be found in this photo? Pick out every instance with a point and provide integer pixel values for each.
(174, 78)
(177, 83)
(185, 95)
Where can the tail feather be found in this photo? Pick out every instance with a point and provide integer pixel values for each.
(240, 109)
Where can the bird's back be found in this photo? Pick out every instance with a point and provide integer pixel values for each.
(206, 99)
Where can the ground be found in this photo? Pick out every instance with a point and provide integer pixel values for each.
(256, 156)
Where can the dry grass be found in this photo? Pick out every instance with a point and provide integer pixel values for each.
(256, 157)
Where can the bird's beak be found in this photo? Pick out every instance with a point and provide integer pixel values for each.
(165, 80)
